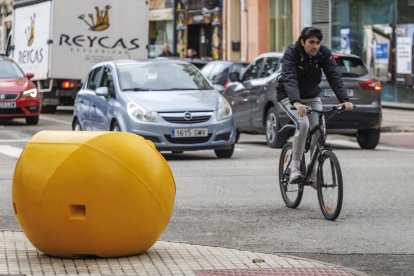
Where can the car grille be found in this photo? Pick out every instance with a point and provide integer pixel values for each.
(9, 96)
(11, 111)
(187, 117)
(188, 140)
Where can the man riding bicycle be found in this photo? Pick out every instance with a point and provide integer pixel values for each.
(298, 86)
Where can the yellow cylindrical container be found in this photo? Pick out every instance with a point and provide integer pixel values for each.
(106, 194)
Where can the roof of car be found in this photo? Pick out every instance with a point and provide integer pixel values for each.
(136, 61)
(271, 54)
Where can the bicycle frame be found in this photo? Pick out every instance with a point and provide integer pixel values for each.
(321, 145)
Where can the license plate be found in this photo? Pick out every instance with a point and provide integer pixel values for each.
(327, 92)
(7, 104)
(189, 132)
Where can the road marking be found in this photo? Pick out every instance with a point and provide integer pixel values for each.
(14, 140)
(11, 151)
(43, 117)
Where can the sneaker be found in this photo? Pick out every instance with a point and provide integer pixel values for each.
(296, 177)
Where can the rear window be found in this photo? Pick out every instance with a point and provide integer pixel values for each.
(351, 66)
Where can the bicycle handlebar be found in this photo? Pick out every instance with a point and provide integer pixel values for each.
(338, 108)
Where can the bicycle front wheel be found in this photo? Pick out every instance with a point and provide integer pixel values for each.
(330, 185)
(291, 193)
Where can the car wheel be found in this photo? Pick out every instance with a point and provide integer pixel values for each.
(115, 127)
(273, 138)
(237, 135)
(368, 138)
(76, 125)
(224, 153)
(32, 120)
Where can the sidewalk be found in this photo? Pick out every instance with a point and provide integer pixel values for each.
(397, 127)
(19, 257)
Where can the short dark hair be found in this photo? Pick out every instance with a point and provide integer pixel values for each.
(309, 32)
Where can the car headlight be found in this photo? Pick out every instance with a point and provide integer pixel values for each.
(30, 93)
(141, 114)
(224, 109)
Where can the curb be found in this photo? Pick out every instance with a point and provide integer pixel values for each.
(19, 257)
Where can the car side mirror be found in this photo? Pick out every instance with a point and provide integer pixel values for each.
(234, 76)
(102, 91)
(29, 75)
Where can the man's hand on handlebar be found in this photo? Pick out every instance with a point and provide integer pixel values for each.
(301, 108)
(348, 106)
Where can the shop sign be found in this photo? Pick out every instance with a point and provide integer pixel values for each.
(404, 55)
(381, 51)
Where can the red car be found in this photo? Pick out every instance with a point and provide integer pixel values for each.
(19, 97)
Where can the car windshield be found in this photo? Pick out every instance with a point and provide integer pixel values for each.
(351, 66)
(161, 77)
(9, 70)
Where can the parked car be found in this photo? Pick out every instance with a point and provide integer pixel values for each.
(167, 101)
(19, 97)
(253, 99)
(197, 62)
(255, 109)
(218, 71)
(365, 92)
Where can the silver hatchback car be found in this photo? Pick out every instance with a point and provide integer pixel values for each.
(168, 102)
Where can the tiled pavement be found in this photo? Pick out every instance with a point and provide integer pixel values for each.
(19, 257)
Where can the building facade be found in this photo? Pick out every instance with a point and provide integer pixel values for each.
(382, 33)
(6, 21)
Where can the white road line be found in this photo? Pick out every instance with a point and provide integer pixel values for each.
(14, 140)
(11, 151)
(43, 117)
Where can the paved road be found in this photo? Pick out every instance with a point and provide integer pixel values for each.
(235, 203)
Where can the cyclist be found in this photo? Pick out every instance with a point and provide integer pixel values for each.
(298, 86)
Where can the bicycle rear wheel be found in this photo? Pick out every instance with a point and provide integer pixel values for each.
(330, 185)
(291, 193)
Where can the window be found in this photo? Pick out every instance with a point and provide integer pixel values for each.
(253, 70)
(351, 67)
(280, 16)
(272, 64)
(107, 78)
(9, 70)
(93, 79)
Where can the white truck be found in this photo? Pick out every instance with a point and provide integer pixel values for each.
(59, 41)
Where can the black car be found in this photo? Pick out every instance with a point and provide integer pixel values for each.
(255, 108)
(218, 71)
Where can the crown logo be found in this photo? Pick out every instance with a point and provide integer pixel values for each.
(29, 31)
(101, 22)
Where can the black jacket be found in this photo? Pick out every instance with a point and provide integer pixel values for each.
(301, 75)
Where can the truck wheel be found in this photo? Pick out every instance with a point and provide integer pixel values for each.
(368, 138)
(32, 120)
(273, 138)
(224, 153)
(49, 109)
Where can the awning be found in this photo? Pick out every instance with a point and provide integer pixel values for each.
(161, 15)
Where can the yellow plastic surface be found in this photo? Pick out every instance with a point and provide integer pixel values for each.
(106, 194)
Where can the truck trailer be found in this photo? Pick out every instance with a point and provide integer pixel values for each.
(60, 40)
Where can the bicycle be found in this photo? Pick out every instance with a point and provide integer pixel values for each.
(329, 176)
